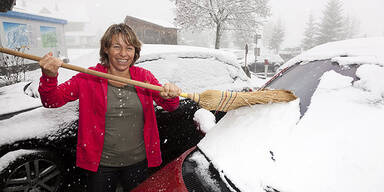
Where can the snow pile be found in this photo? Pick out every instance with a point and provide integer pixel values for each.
(154, 51)
(364, 50)
(194, 75)
(337, 145)
(371, 79)
(204, 119)
(240, 142)
(194, 69)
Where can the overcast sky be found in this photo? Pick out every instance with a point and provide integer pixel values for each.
(293, 13)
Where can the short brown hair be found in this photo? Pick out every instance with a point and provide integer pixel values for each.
(128, 35)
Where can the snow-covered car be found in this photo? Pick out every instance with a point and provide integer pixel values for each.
(329, 139)
(37, 145)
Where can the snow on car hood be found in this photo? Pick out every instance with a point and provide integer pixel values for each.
(364, 50)
(188, 67)
(336, 146)
(10, 94)
(37, 123)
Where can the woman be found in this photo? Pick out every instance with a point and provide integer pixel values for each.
(118, 137)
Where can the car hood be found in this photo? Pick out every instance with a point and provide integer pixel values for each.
(38, 123)
(16, 100)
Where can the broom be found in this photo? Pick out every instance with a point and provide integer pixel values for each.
(210, 99)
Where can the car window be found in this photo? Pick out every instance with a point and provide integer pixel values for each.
(303, 79)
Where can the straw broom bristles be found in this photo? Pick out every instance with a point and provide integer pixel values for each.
(216, 100)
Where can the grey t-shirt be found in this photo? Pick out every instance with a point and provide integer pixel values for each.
(124, 123)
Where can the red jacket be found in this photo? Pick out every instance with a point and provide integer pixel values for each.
(92, 94)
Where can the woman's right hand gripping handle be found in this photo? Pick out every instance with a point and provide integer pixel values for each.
(50, 65)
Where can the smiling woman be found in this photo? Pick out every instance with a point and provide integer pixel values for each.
(119, 140)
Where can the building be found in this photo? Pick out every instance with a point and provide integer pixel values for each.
(35, 33)
(151, 33)
(77, 33)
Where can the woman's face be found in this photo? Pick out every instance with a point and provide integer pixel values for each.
(120, 54)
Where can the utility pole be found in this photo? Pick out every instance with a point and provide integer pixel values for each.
(256, 50)
(245, 68)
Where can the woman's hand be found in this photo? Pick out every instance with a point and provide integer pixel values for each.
(170, 90)
(50, 65)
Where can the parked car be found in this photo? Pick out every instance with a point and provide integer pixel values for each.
(272, 61)
(37, 145)
(329, 139)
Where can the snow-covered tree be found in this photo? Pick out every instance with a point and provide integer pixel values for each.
(277, 37)
(221, 15)
(351, 27)
(310, 33)
(332, 26)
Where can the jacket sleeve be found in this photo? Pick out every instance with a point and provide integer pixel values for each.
(167, 104)
(53, 95)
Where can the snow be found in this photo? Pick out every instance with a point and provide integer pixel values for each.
(37, 123)
(13, 155)
(202, 168)
(10, 93)
(199, 66)
(239, 143)
(336, 146)
(363, 50)
(205, 120)
(371, 79)
(337, 154)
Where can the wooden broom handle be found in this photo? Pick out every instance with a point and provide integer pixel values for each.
(84, 70)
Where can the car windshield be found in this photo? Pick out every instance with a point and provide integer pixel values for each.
(303, 79)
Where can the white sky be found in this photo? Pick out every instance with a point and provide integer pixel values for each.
(294, 13)
(158, 11)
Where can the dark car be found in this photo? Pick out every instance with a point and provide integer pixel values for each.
(37, 145)
(329, 139)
